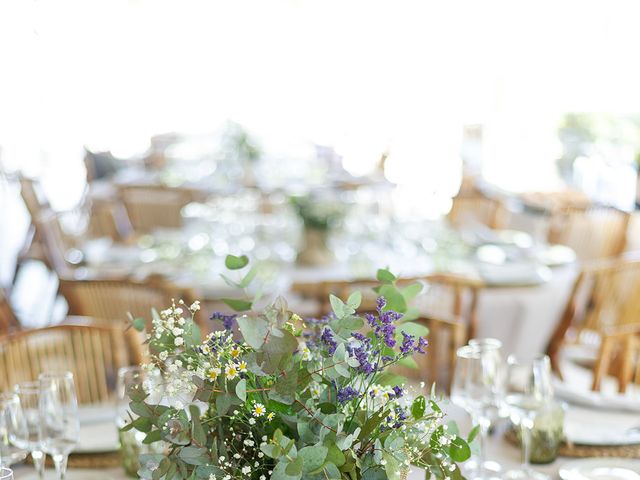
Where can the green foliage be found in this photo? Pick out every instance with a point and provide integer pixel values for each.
(292, 397)
(236, 263)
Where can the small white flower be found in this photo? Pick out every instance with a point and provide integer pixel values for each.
(231, 371)
(178, 342)
(252, 421)
(258, 410)
(246, 469)
(177, 331)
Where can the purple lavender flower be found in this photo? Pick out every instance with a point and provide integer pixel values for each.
(422, 344)
(381, 302)
(408, 344)
(347, 394)
(227, 320)
(371, 319)
(328, 340)
(398, 391)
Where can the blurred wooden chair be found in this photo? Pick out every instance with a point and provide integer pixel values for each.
(605, 295)
(437, 365)
(112, 299)
(9, 323)
(594, 233)
(619, 355)
(109, 219)
(92, 353)
(152, 206)
(466, 211)
(446, 296)
(57, 246)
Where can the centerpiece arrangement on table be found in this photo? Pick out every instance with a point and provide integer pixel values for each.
(292, 399)
(320, 215)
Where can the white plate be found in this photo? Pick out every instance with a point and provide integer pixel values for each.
(587, 426)
(72, 474)
(556, 255)
(98, 430)
(576, 390)
(601, 469)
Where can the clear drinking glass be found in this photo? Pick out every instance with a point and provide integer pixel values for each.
(477, 387)
(131, 445)
(6, 474)
(13, 430)
(59, 422)
(528, 391)
(29, 395)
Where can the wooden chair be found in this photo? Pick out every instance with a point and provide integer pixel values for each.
(619, 355)
(8, 321)
(151, 207)
(113, 299)
(445, 296)
(55, 243)
(92, 353)
(605, 295)
(437, 365)
(477, 209)
(109, 219)
(594, 233)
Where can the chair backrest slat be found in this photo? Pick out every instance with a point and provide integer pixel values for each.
(93, 353)
(594, 233)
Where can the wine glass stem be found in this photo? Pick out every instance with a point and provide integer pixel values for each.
(38, 458)
(484, 430)
(60, 462)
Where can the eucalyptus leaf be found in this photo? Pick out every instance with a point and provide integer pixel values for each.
(253, 329)
(236, 263)
(313, 456)
(194, 455)
(241, 390)
(238, 304)
(385, 276)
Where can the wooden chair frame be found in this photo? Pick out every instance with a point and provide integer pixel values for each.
(606, 294)
(93, 353)
(459, 286)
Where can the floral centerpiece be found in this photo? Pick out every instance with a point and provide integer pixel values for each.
(319, 216)
(284, 398)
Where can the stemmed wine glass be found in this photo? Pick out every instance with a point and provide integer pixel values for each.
(477, 387)
(528, 391)
(59, 422)
(29, 395)
(13, 430)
